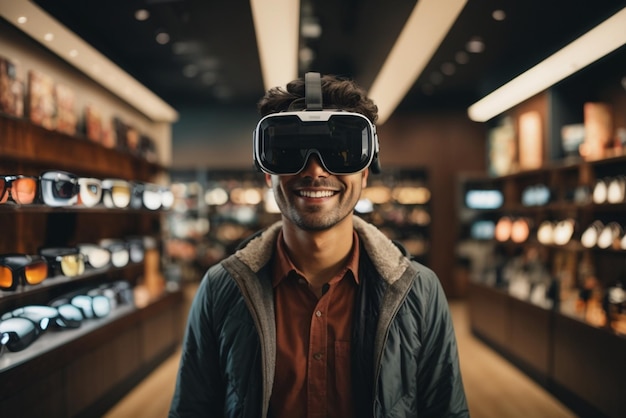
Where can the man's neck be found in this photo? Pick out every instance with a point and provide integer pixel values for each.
(319, 255)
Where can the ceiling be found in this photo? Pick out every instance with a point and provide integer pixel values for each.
(212, 59)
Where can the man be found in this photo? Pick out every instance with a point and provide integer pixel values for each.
(320, 314)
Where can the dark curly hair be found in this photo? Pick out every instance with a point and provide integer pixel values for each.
(337, 93)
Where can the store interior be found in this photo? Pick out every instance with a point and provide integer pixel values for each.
(503, 150)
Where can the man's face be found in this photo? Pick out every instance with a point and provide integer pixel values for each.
(315, 200)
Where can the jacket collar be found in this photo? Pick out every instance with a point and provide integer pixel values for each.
(390, 262)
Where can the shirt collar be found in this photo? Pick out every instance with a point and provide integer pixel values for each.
(283, 266)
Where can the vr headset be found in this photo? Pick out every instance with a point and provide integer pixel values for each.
(344, 142)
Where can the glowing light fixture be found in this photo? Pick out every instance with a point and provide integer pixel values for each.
(422, 34)
(277, 28)
(595, 44)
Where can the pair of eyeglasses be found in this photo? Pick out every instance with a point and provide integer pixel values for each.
(90, 191)
(62, 317)
(90, 306)
(136, 249)
(18, 333)
(116, 193)
(96, 256)
(146, 195)
(16, 269)
(59, 188)
(66, 261)
(119, 292)
(120, 254)
(18, 189)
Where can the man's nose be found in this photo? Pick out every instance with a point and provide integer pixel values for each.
(314, 167)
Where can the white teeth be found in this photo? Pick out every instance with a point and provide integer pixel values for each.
(317, 194)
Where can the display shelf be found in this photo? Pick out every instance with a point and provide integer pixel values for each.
(117, 349)
(82, 372)
(30, 147)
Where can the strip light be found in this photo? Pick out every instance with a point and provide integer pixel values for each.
(595, 44)
(67, 45)
(277, 29)
(421, 36)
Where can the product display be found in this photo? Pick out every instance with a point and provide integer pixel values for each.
(65, 261)
(18, 189)
(59, 188)
(16, 269)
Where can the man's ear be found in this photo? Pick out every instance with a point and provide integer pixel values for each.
(366, 174)
(268, 180)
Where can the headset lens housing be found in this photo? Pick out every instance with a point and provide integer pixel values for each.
(345, 142)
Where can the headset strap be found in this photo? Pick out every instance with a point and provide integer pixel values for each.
(313, 91)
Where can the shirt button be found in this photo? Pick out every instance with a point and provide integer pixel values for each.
(318, 313)
(317, 356)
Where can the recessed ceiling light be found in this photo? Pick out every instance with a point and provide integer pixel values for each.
(209, 78)
(142, 14)
(162, 38)
(73, 53)
(448, 68)
(427, 89)
(498, 15)
(461, 57)
(190, 70)
(22, 19)
(310, 28)
(48, 37)
(436, 78)
(475, 45)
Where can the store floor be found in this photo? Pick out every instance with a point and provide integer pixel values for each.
(494, 387)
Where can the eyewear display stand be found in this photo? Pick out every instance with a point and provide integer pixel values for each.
(564, 322)
(82, 371)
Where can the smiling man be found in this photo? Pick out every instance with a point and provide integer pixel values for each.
(319, 315)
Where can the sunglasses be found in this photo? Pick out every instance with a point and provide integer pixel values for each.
(21, 333)
(61, 317)
(59, 188)
(92, 306)
(19, 189)
(136, 249)
(120, 292)
(120, 254)
(90, 191)
(344, 142)
(22, 268)
(145, 195)
(66, 261)
(95, 255)
(116, 193)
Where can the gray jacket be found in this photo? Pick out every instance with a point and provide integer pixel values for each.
(404, 353)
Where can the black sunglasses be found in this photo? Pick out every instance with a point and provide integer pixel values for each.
(21, 332)
(60, 317)
(66, 261)
(22, 268)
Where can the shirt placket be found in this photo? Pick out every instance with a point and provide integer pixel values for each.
(317, 387)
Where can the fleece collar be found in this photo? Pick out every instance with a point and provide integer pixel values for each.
(390, 262)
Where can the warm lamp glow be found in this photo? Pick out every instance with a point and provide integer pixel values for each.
(595, 44)
(277, 28)
(427, 26)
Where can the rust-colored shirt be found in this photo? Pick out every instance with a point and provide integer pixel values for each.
(313, 341)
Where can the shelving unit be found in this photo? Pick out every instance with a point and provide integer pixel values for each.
(543, 304)
(83, 371)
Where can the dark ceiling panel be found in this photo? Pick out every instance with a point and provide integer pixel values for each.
(212, 56)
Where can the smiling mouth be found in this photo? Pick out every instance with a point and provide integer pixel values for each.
(318, 194)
